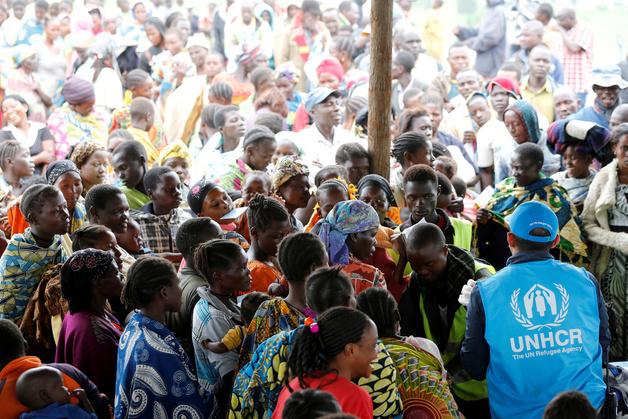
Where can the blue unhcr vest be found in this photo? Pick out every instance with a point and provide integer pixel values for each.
(542, 327)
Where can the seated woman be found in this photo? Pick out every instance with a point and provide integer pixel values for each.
(90, 333)
(76, 121)
(348, 233)
(258, 383)
(605, 218)
(299, 255)
(29, 255)
(259, 146)
(376, 191)
(106, 205)
(170, 388)
(129, 164)
(161, 217)
(417, 361)
(207, 199)
(527, 184)
(223, 263)
(290, 182)
(16, 164)
(331, 352)
(33, 135)
(269, 224)
(578, 142)
(92, 160)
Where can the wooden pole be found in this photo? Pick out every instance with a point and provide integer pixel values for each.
(380, 86)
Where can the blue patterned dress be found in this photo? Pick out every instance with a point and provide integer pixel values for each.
(154, 375)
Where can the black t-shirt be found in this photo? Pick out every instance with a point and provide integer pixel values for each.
(43, 134)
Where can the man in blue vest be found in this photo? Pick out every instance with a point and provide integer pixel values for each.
(538, 327)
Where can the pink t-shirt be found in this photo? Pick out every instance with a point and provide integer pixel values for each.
(352, 398)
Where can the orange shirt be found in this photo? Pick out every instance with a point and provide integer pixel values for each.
(10, 407)
(16, 219)
(263, 275)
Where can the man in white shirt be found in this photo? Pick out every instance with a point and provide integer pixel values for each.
(320, 141)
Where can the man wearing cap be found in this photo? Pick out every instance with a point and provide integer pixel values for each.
(607, 83)
(538, 327)
(320, 141)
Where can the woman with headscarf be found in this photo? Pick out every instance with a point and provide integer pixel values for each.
(90, 332)
(522, 122)
(22, 81)
(348, 233)
(77, 120)
(579, 143)
(176, 156)
(502, 92)
(527, 183)
(290, 182)
(101, 69)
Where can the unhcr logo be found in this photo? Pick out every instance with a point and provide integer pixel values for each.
(540, 307)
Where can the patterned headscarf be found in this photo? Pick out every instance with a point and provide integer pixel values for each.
(287, 168)
(346, 218)
(587, 137)
(197, 194)
(76, 91)
(58, 168)
(174, 149)
(289, 71)
(88, 263)
(528, 115)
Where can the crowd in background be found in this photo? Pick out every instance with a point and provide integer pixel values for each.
(191, 226)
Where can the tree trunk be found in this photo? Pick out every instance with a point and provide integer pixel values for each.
(380, 86)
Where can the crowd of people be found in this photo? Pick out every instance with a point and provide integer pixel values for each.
(191, 224)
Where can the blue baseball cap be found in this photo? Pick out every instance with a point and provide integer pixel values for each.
(531, 215)
(319, 95)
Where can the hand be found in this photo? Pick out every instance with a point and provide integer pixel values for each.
(456, 30)
(80, 394)
(465, 294)
(205, 343)
(483, 216)
(456, 205)
(468, 137)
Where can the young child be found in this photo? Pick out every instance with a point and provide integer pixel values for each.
(269, 224)
(29, 255)
(470, 207)
(328, 194)
(233, 338)
(446, 165)
(447, 200)
(161, 217)
(255, 183)
(142, 120)
(176, 156)
(16, 164)
(570, 405)
(42, 390)
(131, 240)
(285, 147)
(129, 163)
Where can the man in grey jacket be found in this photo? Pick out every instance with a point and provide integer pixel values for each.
(488, 40)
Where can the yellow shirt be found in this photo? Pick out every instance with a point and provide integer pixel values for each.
(543, 100)
(142, 137)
